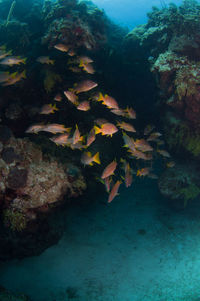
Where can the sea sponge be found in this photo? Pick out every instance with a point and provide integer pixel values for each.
(17, 178)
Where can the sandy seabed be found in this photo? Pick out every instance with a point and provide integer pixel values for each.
(134, 249)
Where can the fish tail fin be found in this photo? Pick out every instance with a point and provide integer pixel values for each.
(52, 62)
(97, 130)
(100, 180)
(24, 60)
(82, 139)
(81, 64)
(96, 158)
(100, 98)
(13, 75)
(24, 74)
(55, 108)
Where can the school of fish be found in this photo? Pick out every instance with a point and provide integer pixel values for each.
(140, 149)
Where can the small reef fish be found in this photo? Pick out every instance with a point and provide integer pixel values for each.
(140, 155)
(61, 139)
(84, 106)
(109, 170)
(88, 159)
(75, 69)
(107, 182)
(35, 128)
(129, 142)
(4, 76)
(13, 60)
(77, 145)
(45, 60)
(126, 127)
(143, 172)
(154, 136)
(62, 47)
(14, 78)
(143, 145)
(84, 86)
(4, 53)
(58, 97)
(71, 52)
(163, 153)
(72, 97)
(108, 101)
(100, 121)
(76, 136)
(85, 60)
(48, 109)
(87, 68)
(170, 164)
(106, 129)
(128, 175)
(119, 112)
(130, 113)
(114, 191)
(91, 137)
(55, 128)
(148, 129)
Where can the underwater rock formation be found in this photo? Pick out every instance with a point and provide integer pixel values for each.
(73, 24)
(180, 184)
(31, 186)
(170, 43)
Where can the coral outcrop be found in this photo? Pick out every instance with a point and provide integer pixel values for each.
(30, 183)
(170, 43)
(180, 184)
(31, 187)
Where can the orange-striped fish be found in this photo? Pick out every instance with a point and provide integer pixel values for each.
(87, 68)
(128, 175)
(61, 139)
(109, 170)
(35, 128)
(55, 128)
(48, 109)
(143, 172)
(163, 153)
(84, 86)
(107, 129)
(108, 101)
(126, 126)
(88, 159)
(114, 191)
(72, 97)
(91, 137)
(130, 113)
(143, 145)
(62, 47)
(84, 106)
(77, 136)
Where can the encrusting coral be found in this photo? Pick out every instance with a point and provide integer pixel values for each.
(30, 183)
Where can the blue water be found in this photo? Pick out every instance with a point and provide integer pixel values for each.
(130, 12)
(135, 249)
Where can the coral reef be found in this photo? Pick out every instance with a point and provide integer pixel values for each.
(30, 183)
(170, 41)
(180, 184)
(33, 186)
(73, 24)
